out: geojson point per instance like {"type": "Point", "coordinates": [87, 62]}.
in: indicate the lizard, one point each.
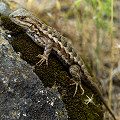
{"type": "Point", "coordinates": [50, 39]}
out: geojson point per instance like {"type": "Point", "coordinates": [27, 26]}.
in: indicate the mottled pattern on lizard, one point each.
{"type": "Point", "coordinates": [50, 39]}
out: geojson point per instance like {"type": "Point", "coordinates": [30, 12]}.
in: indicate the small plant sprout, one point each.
{"type": "Point", "coordinates": [89, 100]}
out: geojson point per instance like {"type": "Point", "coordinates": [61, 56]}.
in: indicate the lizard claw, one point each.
{"type": "Point", "coordinates": [81, 89]}
{"type": "Point", "coordinates": [77, 83]}
{"type": "Point", "coordinates": [43, 59]}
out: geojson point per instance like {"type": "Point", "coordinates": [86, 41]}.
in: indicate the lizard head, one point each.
{"type": "Point", "coordinates": [22, 18]}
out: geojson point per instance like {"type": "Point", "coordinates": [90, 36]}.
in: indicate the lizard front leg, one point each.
{"type": "Point", "coordinates": [76, 74]}
{"type": "Point", "coordinates": [47, 51]}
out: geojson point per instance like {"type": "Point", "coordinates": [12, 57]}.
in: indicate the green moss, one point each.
{"type": "Point", "coordinates": [54, 72]}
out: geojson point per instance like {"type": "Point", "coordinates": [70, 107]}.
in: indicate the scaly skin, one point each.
{"type": "Point", "coordinates": [50, 39]}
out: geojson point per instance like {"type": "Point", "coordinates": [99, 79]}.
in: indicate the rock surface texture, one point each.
{"type": "Point", "coordinates": [22, 94]}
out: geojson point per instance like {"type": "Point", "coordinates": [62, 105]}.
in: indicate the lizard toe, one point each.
{"type": "Point", "coordinates": [43, 59]}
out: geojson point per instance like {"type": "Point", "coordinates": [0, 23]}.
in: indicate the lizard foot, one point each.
{"type": "Point", "coordinates": [76, 74]}
{"type": "Point", "coordinates": [77, 83]}
{"type": "Point", "coordinates": [43, 59]}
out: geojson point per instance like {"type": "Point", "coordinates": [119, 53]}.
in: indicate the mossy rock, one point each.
{"type": "Point", "coordinates": [55, 74]}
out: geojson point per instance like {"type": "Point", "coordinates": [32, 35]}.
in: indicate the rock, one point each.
{"type": "Point", "coordinates": [4, 9]}
{"type": "Point", "coordinates": [22, 94]}
{"type": "Point", "coordinates": [55, 72]}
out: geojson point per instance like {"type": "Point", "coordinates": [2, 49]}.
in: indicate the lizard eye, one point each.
{"type": "Point", "coordinates": [22, 18]}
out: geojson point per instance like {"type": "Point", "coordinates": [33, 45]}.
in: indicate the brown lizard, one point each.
{"type": "Point", "coordinates": [50, 39]}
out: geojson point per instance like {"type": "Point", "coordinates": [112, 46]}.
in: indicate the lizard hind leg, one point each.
{"type": "Point", "coordinates": [75, 73]}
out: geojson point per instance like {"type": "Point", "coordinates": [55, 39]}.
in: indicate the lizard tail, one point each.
{"type": "Point", "coordinates": [108, 108]}
{"type": "Point", "coordinates": [103, 101]}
